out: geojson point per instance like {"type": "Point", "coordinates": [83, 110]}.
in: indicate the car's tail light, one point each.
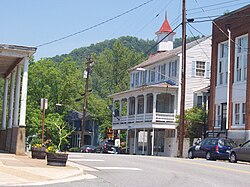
{"type": "Point", "coordinates": [217, 148]}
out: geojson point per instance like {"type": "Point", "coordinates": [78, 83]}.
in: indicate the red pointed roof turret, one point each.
{"type": "Point", "coordinates": [165, 27]}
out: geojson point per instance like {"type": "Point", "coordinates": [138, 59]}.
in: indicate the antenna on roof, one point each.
{"type": "Point", "coordinates": [166, 14]}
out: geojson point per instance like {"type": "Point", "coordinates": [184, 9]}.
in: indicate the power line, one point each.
{"type": "Point", "coordinates": [96, 25]}
{"type": "Point", "coordinates": [196, 29]}
{"type": "Point", "coordinates": [217, 8]}
{"type": "Point", "coordinates": [198, 42]}
{"type": "Point", "coordinates": [213, 5]}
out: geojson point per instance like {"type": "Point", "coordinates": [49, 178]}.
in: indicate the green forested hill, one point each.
{"type": "Point", "coordinates": [132, 43]}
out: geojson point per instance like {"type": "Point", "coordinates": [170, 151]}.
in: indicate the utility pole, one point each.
{"type": "Point", "coordinates": [183, 80]}
{"type": "Point", "coordinates": [89, 62]}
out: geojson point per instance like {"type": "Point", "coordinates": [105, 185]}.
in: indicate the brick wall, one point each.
{"type": "Point", "coordinates": [239, 23]}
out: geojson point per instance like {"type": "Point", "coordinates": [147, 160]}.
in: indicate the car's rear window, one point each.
{"type": "Point", "coordinates": [227, 142]}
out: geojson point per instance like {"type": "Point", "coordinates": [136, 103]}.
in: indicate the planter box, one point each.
{"type": "Point", "coordinates": [57, 159]}
{"type": "Point", "coordinates": [38, 153]}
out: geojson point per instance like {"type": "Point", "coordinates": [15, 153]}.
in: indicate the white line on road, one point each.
{"type": "Point", "coordinates": [117, 168]}
{"type": "Point", "coordinates": [85, 160]}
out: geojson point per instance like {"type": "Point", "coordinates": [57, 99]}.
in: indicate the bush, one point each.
{"type": "Point", "coordinates": [74, 149]}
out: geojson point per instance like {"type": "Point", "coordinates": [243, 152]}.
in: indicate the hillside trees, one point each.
{"type": "Point", "coordinates": [58, 82]}
{"type": "Point", "coordinates": [110, 75]}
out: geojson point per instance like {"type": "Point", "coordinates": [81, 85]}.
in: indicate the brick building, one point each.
{"type": "Point", "coordinates": [232, 86]}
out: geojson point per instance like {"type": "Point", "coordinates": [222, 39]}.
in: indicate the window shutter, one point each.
{"type": "Point", "coordinates": [207, 70]}
{"type": "Point", "coordinates": [193, 68]}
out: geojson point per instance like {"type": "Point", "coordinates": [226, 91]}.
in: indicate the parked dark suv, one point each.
{"type": "Point", "coordinates": [105, 147]}
{"type": "Point", "coordinates": [212, 149]}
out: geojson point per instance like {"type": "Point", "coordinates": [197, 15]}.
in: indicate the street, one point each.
{"type": "Point", "coordinates": [136, 170]}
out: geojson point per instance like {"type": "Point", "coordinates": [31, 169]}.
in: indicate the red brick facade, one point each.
{"type": "Point", "coordinates": [239, 24]}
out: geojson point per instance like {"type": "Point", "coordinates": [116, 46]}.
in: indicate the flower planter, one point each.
{"type": "Point", "coordinates": [39, 153]}
{"type": "Point", "coordinates": [57, 159]}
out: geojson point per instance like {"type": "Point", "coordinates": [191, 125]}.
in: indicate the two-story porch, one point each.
{"type": "Point", "coordinates": [148, 115]}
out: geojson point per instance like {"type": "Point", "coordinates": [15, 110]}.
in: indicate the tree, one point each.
{"type": "Point", "coordinates": [59, 83]}
{"type": "Point", "coordinates": [195, 120]}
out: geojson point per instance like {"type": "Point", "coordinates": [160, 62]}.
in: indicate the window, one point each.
{"type": "Point", "coordinates": [222, 63]}
{"type": "Point", "coordinates": [238, 71]}
{"type": "Point", "coordinates": [241, 53]}
{"type": "Point", "coordinates": [223, 50]}
{"type": "Point", "coordinates": [200, 68]}
{"type": "Point", "coordinates": [152, 75]}
{"type": "Point", "coordinates": [218, 116]}
{"type": "Point", "coordinates": [220, 73]}
{"type": "Point", "coordinates": [132, 78]}
{"type": "Point", "coordinates": [159, 73]}
{"type": "Point", "coordinates": [137, 79]}
{"type": "Point", "coordinates": [149, 76]}
{"type": "Point", "coordinates": [163, 71]}
{"type": "Point", "coordinates": [243, 113]}
{"type": "Point", "coordinates": [237, 113]}
{"type": "Point", "coordinates": [199, 101]}
{"type": "Point", "coordinates": [172, 69]}
{"type": "Point", "coordinates": [144, 77]}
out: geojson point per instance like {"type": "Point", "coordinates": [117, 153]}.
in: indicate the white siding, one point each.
{"type": "Point", "coordinates": [201, 52]}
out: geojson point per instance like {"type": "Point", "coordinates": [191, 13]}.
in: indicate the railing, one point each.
{"type": "Point", "coordinates": [148, 117]}
{"type": "Point", "coordinates": [165, 117]}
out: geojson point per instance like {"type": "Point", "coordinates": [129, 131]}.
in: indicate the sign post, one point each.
{"type": "Point", "coordinates": [44, 105]}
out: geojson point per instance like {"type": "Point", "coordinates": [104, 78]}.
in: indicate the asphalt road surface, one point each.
{"type": "Point", "coordinates": [143, 171]}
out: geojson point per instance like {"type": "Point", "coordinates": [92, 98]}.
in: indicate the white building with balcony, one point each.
{"type": "Point", "coordinates": [147, 111]}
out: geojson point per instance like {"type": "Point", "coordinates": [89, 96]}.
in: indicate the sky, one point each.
{"type": "Point", "coordinates": [36, 22]}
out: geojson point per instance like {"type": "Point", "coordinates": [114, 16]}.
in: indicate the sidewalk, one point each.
{"type": "Point", "coordinates": [23, 170]}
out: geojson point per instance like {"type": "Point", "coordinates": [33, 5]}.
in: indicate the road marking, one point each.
{"type": "Point", "coordinates": [213, 166]}
{"type": "Point", "coordinates": [7, 158]}
{"type": "Point", "coordinates": [117, 168]}
{"type": "Point", "coordinates": [85, 160]}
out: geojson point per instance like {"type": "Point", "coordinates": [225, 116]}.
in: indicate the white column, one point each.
{"type": "Point", "coordinates": [127, 109]}
{"type": "Point", "coordinates": [153, 137]}
{"type": "Point", "coordinates": [145, 106]}
{"type": "Point", "coordinates": [143, 142]}
{"type": "Point", "coordinates": [136, 107]}
{"type": "Point", "coordinates": [120, 108]}
{"type": "Point", "coordinates": [24, 92]}
{"type": "Point", "coordinates": [5, 99]}
{"type": "Point", "coordinates": [175, 104]}
{"type": "Point", "coordinates": [12, 87]}
{"type": "Point", "coordinates": [134, 142]}
{"type": "Point", "coordinates": [154, 106]}
{"type": "Point", "coordinates": [17, 96]}
{"type": "Point", "coordinates": [127, 141]}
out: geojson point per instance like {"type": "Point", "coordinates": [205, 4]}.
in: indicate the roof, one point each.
{"type": "Point", "coordinates": [203, 90]}
{"type": "Point", "coordinates": [232, 13]}
{"type": "Point", "coordinates": [11, 55]}
{"type": "Point", "coordinates": [167, 54]}
{"type": "Point", "coordinates": [18, 48]}
{"type": "Point", "coordinates": [165, 27]}
{"type": "Point", "coordinates": [162, 85]}
{"type": "Point", "coordinates": [73, 115]}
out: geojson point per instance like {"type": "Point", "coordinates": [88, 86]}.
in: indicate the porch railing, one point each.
{"type": "Point", "coordinates": [148, 117]}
